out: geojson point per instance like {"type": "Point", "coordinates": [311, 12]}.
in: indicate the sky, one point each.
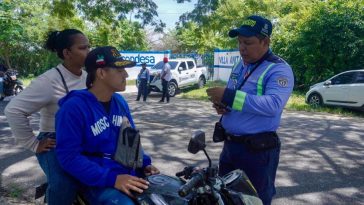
{"type": "Point", "coordinates": [169, 11]}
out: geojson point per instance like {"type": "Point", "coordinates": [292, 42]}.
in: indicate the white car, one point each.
{"type": "Point", "coordinates": [345, 89]}
{"type": "Point", "coordinates": [184, 71]}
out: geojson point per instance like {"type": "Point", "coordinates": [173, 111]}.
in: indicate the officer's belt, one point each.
{"type": "Point", "coordinates": [256, 142]}
{"type": "Point", "coordinates": [246, 139]}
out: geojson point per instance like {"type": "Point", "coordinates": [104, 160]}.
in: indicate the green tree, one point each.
{"type": "Point", "coordinates": [317, 38]}
{"type": "Point", "coordinates": [210, 28]}
{"type": "Point", "coordinates": [25, 25]}
{"type": "Point", "coordinates": [11, 34]}
{"type": "Point", "coordinates": [326, 40]}
{"type": "Point", "coordinates": [110, 11]}
{"type": "Point", "coordinates": [124, 35]}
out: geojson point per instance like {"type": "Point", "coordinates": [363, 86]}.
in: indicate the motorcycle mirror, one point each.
{"type": "Point", "coordinates": [197, 142]}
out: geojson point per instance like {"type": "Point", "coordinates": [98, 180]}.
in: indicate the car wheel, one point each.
{"type": "Point", "coordinates": [172, 89]}
{"type": "Point", "coordinates": [2, 98]}
{"type": "Point", "coordinates": [315, 100]}
{"type": "Point", "coordinates": [201, 82]}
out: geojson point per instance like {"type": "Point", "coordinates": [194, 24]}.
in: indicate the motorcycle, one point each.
{"type": "Point", "coordinates": [193, 186]}
{"type": "Point", "coordinates": [11, 84]}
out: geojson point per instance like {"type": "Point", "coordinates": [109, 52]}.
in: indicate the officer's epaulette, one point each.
{"type": "Point", "coordinates": [275, 59]}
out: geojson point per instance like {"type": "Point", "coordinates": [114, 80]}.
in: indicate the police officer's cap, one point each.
{"type": "Point", "coordinates": [252, 26]}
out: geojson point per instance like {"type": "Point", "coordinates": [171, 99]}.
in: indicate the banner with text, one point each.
{"type": "Point", "coordinates": [148, 57]}
{"type": "Point", "coordinates": [224, 60]}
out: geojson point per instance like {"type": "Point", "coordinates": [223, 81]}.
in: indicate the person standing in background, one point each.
{"type": "Point", "coordinates": [143, 78]}
{"type": "Point", "coordinates": [166, 76]}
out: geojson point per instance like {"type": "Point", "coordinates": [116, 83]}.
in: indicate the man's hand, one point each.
{"type": "Point", "coordinates": [45, 145]}
{"type": "Point", "coordinates": [150, 170]}
{"type": "Point", "coordinates": [219, 109]}
{"type": "Point", "coordinates": [127, 183]}
{"type": "Point", "coordinates": [215, 94]}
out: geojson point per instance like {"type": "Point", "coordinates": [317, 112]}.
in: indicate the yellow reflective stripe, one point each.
{"type": "Point", "coordinates": [260, 81]}
{"type": "Point", "coordinates": [239, 100]}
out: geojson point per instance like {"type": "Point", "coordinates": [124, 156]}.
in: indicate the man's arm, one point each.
{"type": "Point", "coordinates": [278, 88]}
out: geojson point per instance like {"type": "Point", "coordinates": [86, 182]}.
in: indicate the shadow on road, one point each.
{"type": "Point", "coordinates": [321, 158]}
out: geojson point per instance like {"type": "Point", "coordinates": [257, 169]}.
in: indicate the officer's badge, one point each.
{"type": "Point", "coordinates": [283, 82]}
{"type": "Point", "coordinates": [234, 76]}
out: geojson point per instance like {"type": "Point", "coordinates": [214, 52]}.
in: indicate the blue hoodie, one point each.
{"type": "Point", "coordinates": [82, 125]}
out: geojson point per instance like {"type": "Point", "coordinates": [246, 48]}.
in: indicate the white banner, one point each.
{"type": "Point", "coordinates": [224, 60]}
{"type": "Point", "coordinates": [148, 57]}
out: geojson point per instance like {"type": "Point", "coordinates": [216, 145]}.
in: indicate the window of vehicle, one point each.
{"type": "Point", "coordinates": [345, 78]}
{"type": "Point", "coordinates": [160, 65]}
{"type": "Point", "coordinates": [359, 77]}
{"type": "Point", "coordinates": [190, 64]}
{"type": "Point", "coordinates": [183, 65]}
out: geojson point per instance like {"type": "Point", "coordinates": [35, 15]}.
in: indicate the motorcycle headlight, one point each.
{"type": "Point", "coordinates": [158, 199]}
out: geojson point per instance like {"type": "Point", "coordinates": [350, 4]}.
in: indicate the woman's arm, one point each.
{"type": "Point", "coordinates": [31, 100]}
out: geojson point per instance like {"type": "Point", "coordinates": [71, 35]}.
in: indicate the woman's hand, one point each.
{"type": "Point", "coordinates": [127, 183]}
{"type": "Point", "coordinates": [45, 145]}
{"type": "Point", "coordinates": [150, 170]}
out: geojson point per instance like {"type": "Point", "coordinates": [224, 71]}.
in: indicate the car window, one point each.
{"type": "Point", "coordinates": [359, 77]}
{"type": "Point", "coordinates": [190, 64]}
{"type": "Point", "coordinates": [345, 78]}
{"type": "Point", "coordinates": [183, 65]}
{"type": "Point", "coordinates": [160, 65]}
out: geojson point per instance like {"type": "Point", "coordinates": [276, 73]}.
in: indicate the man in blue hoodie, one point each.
{"type": "Point", "coordinates": [88, 125]}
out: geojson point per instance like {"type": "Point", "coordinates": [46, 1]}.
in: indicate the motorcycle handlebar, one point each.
{"type": "Point", "coordinates": [185, 189]}
{"type": "Point", "coordinates": [186, 172]}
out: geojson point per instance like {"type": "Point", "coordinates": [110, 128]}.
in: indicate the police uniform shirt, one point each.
{"type": "Point", "coordinates": [144, 73]}
{"type": "Point", "coordinates": [258, 105]}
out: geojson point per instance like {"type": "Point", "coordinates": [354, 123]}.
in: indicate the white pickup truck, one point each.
{"type": "Point", "coordinates": [184, 73]}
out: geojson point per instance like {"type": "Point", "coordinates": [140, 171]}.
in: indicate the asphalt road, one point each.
{"type": "Point", "coordinates": [321, 161]}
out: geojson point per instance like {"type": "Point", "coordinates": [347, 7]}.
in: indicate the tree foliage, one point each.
{"type": "Point", "coordinates": [317, 38]}
{"type": "Point", "coordinates": [326, 40]}
{"type": "Point", "coordinates": [25, 24]}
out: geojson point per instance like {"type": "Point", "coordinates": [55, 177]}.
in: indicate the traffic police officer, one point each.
{"type": "Point", "coordinates": [251, 107]}
{"type": "Point", "coordinates": [143, 78]}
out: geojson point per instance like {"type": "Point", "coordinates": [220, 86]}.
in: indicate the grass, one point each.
{"type": "Point", "coordinates": [295, 103]}
{"type": "Point", "coordinates": [15, 191]}
{"type": "Point", "coordinates": [200, 94]}
{"type": "Point", "coordinates": [27, 80]}
{"type": "Point", "coordinates": [130, 82]}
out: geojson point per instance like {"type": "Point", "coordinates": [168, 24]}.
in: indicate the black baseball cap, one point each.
{"type": "Point", "coordinates": [106, 56]}
{"type": "Point", "coordinates": [252, 26]}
